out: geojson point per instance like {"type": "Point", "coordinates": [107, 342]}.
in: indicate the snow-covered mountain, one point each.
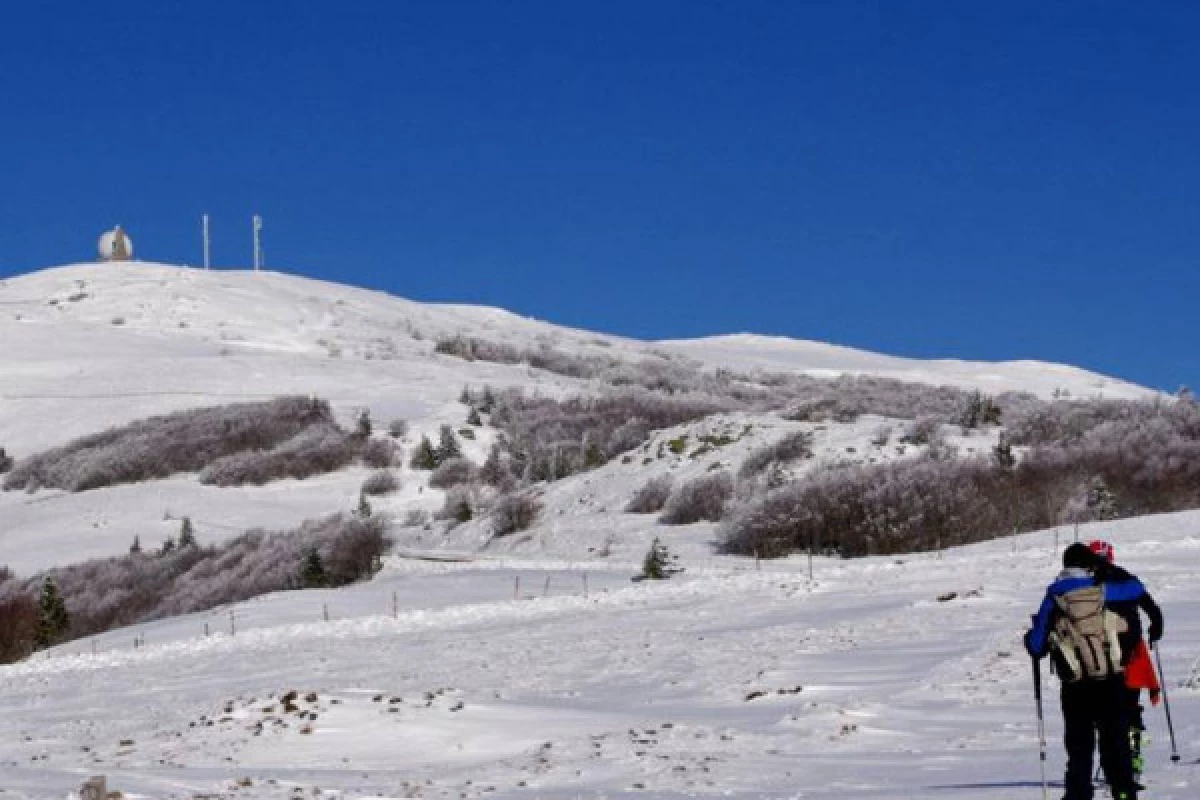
{"type": "Point", "coordinates": [533, 667]}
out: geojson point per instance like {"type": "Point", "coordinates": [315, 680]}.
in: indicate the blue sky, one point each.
{"type": "Point", "coordinates": [993, 181]}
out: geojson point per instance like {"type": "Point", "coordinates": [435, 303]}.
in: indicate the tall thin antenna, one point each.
{"type": "Point", "coordinates": [204, 226]}
{"type": "Point", "coordinates": [258, 259]}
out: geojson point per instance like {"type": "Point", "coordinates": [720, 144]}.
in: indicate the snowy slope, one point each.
{"type": "Point", "coordinates": [780, 354]}
{"type": "Point", "coordinates": [725, 681]}
{"type": "Point", "coordinates": [94, 345]}
{"type": "Point", "coordinates": [572, 680]}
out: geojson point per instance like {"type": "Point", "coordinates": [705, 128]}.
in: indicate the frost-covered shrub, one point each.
{"type": "Point", "coordinates": [452, 472]}
{"type": "Point", "coordinates": [979, 410]}
{"type": "Point", "coordinates": [157, 447]}
{"type": "Point", "coordinates": [651, 498]}
{"type": "Point", "coordinates": [460, 505]}
{"type": "Point", "coordinates": [382, 481]}
{"type": "Point", "coordinates": [398, 428]}
{"type": "Point", "coordinates": [792, 447]}
{"type": "Point", "coordinates": [702, 498]}
{"type": "Point", "coordinates": [380, 453]}
{"type": "Point", "coordinates": [549, 439]}
{"type": "Point", "coordinates": [893, 508]}
{"type": "Point", "coordinates": [514, 512]}
{"type": "Point", "coordinates": [1143, 460]}
{"type": "Point", "coordinates": [114, 592]}
{"type": "Point", "coordinates": [314, 451]}
{"type": "Point", "coordinates": [923, 430]}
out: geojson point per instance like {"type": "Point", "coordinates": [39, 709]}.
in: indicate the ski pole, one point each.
{"type": "Point", "coordinates": [1037, 695]}
{"type": "Point", "coordinates": [1166, 702]}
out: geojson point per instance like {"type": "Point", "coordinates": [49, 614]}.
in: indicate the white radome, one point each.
{"type": "Point", "coordinates": [115, 245]}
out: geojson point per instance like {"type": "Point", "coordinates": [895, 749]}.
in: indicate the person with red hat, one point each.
{"type": "Point", "coordinates": [1139, 669]}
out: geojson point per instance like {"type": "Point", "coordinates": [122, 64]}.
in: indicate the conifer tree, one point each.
{"type": "Point", "coordinates": [364, 506]}
{"type": "Point", "coordinates": [473, 418]}
{"type": "Point", "coordinates": [136, 547]}
{"type": "Point", "coordinates": [312, 573]}
{"type": "Point", "coordinates": [187, 535]}
{"type": "Point", "coordinates": [168, 546]}
{"type": "Point", "coordinates": [659, 564]}
{"type": "Point", "coordinates": [363, 425]}
{"type": "Point", "coordinates": [53, 620]}
{"type": "Point", "coordinates": [424, 456]}
{"type": "Point", "coordinates": [448, 446]}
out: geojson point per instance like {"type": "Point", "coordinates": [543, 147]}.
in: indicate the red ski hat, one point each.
{"type": "Point", "coordinates": [1103, 549]}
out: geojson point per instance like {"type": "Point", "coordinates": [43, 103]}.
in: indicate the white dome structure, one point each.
{"type": "Point", "coordinates": [115, 245]}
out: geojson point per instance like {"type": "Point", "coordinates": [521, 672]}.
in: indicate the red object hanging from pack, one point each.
{"type": "Point", "coordinates": [1140, 674]}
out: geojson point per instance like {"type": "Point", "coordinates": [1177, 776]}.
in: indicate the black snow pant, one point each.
{"type": "Point", "coordinates": [1097, 710]}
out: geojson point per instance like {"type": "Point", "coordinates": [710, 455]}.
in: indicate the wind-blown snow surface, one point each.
{"type": "Point", "coordinates": [726, 681]}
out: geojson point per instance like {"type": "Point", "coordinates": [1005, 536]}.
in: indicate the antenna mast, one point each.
{"type": "Point", "coordinates": [258, 259]}
{"type": "Point", "coordinates": [204, 227]}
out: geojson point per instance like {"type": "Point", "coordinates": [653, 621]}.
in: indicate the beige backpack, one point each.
{"type": "Point", "coordinates": [1085, 636]}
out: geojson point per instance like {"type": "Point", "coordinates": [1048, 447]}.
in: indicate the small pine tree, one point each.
{"type": "Point", "coordinates": [312, 572]}
{"type": "Point", "coordinates": [1002, 454]}
{"type": "Point", "coordinates": [473, 418]}
{"type": "Point", "coordinates": [590, 453]}
{"type": "Point", "coordinates": [364, 506]}
{"type": "Point", "coordinates": [187, 535]}
{"type": "Point", "coordinates": [6, 461]}
{"type": "Point", "coordinates": [136, 547]}
{"type": "Point", "coordinates": [362, 426]}
{"type": "Point", "coordinates": [464, 396]}
{"type": "Point", "coordinates": [53, 619]}
{"type": "Point", "coordinates": [659, 564]}
{"type": "Point", "coordinates": [168, 546]}
{"type": "Point", "coordinates": [424, 456]}
{"type": "Point", "coordinates": [448, 446]}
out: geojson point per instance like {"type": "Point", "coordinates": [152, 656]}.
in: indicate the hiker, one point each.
{"type": "Point", "coordinates": [1139, 669]}
{"type": "Point", "coordinates": [1082, 636]}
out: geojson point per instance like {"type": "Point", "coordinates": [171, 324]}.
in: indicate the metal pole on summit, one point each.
{"type": "Point", "coordinates": [1166, 703]}
{"type": "Point", "coordinates": [1037, 694]}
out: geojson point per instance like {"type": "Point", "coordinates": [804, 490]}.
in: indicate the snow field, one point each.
{"type": "Point", "coordinates": [730, 682]}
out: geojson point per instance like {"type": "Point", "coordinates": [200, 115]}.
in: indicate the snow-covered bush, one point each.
{"type": "Point", "coordinates": [382, 481]}
{"type": "Point", "coordinates": [892, 508]}
{"type": "Point", "coordinates": [923, 430]}
{"type": "Point", "coordinates": [398, 428]}
{"type": "Point", "coordinates": [1145, 459]}
{"type": "Point", "coordinates": [107, 593]}
{"type": "Point", "coordinates": [651, 498]}
{"type": "Point", "coordinates": [452, 472]}
{"type": "Point", "coordinates": [381, 453]}
{"type": "Point", "coordinates": [314, 451]}
{"type": "Point", "coordinates": [702, 498]}
{"type": "Point", "coordinates": [792, 447]}
{"type": "Point", "coordinates": [459, 505]}
{"type": "Point", "coordinates": [6, 461]}
{"type": "Point", "coordinates": [514, 512]}
{"type": "Point", "coordinates": [157, 447]}
{"type": "Point", "coordinates": [548, 438]}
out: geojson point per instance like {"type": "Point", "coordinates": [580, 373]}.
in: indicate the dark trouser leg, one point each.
{"type": "Point", "coordinates": [1112, 724]}
{"type": "Point", "coordinates": [1136, 727]}
{"type": "Point", "coordinates": [1078, 704]}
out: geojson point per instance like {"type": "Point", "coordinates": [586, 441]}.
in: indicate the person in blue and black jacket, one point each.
{"type": "Point", "coordinates": [1076, 628]}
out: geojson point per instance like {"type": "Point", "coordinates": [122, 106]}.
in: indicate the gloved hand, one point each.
{"type": "Point", "coordinates": [1155, 633]}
